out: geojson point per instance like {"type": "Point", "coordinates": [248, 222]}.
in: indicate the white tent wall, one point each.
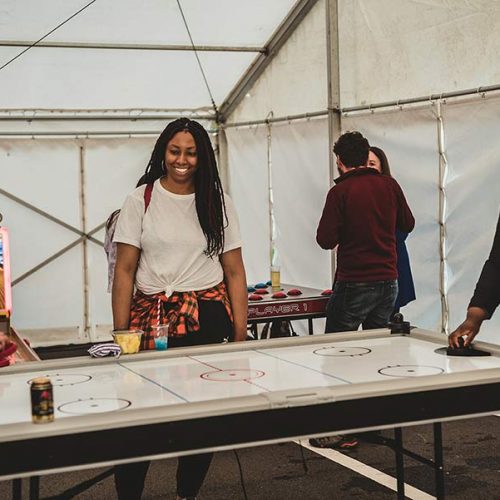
{"type": "Point", "coordinates": [52, 175]}
{"type": "Point", "coordinates": [473, 199]}
{"type": "Point", "coordinates": [295, 81]}
{"type": "Point", "coordinates": [300, 184]}
{"type": "Point", "coordinates": [397, 49]}
{"type": "Point", "coordinates": [248, 185]}
{"type": "Point", "coordinates": [299, 166]}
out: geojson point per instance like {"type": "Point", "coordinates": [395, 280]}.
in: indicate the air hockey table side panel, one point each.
{"type": "Point", "coordinates": [310, 304]}
{"type": "Point", "coordinates": [167, 439]}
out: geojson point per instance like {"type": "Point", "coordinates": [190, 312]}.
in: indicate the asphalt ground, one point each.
{"type": "Point", "coordinates": [289, 471]}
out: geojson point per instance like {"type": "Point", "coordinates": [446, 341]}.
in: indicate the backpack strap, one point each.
{"type": "Point", "coordinates": [147, 195]}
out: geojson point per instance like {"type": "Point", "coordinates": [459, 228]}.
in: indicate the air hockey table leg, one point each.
{"type": "Point", "coordinates": [34, 488]}
{"type": "Point", "coordinates": [438, 460]}
{"type": "Point", "coordinates": [17, 489]}
{"type": "Point", "coordinates": [400, 468]}
{"type": "Point", "coordinates": [310, 326]}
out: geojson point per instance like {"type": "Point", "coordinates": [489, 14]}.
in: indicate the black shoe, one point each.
{"type": "Point", "coordinates": [335, 442]}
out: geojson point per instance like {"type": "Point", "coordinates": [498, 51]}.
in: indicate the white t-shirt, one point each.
{"type": "Point", "coordinates": [172, 241]}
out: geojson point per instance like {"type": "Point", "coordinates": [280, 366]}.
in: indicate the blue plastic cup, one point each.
{"type": "Point", "coordinates": [160, 334]}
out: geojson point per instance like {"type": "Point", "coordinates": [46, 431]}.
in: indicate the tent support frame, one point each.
{"type": "Point", "coordinates": [130, 46]}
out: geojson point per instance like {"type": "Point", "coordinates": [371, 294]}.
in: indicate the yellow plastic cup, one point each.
{"type": "Point", "coordinates": [128, 340]}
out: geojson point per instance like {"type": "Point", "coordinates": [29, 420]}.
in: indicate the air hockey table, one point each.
{"type": "Point", "coordinates": [153, 405]}
{"type": "Point", "coordinates": [308, 304]}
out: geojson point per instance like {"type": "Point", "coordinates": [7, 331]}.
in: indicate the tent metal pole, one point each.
{"type": "Point", "coordinates": [273, 45]}
{"type": "Point", "coordinates": [78, 135]}
{"type": "Point", "coordinates": [333, 78]}
{"type": "Point", "coordinates": [130, 46]}
{"type": "Point", "coordinates": [289, 118]}
{"type": "Point", "coordinates": [479, 91]}
{"type": "Point", "coordinates": [81, 135]}
{"type": "Point", "coordinates": [223, 162]}
{"type": "Point", "coordinates": [443, 267]}
{"type": "Point", "coordinates": [83, 208]}
{"type": "Point", "coordinates": [43, 214]}
{"type": "Point", "coordinates": [270, 199]}
{"type": "Point", "coordinates": [47, 261]}
{"type": "Point", "coordinates": [58, 254]}
{"type": "Point", "coordinates": [33, 115]}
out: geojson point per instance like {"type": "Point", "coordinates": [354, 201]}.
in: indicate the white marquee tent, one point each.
{"type": "Point", "coordinates": [86, 86]}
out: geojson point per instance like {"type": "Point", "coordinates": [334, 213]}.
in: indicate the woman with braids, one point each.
{"type": "Point", "coordinates": [178, 242]}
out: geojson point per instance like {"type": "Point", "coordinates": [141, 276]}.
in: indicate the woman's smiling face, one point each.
{"type": "Point", "coordinates": [181, 159]}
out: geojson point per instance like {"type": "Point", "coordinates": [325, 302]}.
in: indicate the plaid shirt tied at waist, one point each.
{"type": "Point", "coordinates": [148, 310]}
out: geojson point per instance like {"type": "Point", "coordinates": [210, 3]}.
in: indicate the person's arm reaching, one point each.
{"type": "Point", "coordinates": [486, 296]}
{"type": "Point", "coordinates": [235, 279]}
{"type": "Point", "coordinates": [127, 258]}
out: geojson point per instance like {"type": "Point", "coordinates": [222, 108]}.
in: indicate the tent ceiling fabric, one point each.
{"type": "Point", "coordinates": [81, 78]}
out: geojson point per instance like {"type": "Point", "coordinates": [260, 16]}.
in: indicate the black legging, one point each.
{"type": "Point", "coordinates": [215, 326]}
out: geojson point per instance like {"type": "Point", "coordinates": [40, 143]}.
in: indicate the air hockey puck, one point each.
{"type": "Point", "coordinates": [294, 291]}
{"type": "Point", "coordinates": [261, 291]}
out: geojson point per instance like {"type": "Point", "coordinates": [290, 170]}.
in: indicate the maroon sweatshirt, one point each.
{"type": "Point", "coordinates": [361, 214]}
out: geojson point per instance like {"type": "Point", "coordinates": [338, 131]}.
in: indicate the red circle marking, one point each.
{"type": "Point", "coordinates": [239, 374]}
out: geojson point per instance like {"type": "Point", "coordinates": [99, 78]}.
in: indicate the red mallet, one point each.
{"type": "Point", "coordinates": [261, 291]}
{"type": "Point", "coordinates": [254, 296]}
{"type": "Point", "coordinates": [279, 295]}
{"type": "Point", "coordinates": [294, 291]}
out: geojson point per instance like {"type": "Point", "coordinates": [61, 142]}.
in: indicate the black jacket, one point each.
{"type": "Point", "coordinates": [487, 292]}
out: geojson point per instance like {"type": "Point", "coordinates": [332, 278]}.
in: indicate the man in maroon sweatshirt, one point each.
{"type": "Point", "coordinates": [360, 216]}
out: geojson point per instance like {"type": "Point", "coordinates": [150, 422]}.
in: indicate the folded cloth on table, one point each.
{"type": "Point", "coordinates": [102, 350]}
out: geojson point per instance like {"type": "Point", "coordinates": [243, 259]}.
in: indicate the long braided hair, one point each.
{"type": "Point", "coordinates": [209, 196]}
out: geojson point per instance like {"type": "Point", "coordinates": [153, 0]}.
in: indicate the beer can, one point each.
{"type": "Point", "coordinates": [42, 400]}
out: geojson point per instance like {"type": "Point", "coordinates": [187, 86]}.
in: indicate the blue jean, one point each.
{"type": "Point", "coordinates": [352, 304]}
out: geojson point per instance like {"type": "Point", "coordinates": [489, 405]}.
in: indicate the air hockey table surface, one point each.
{"type": "Point", "coordinates": [161, 404]}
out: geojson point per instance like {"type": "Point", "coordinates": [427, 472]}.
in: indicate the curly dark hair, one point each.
{"type": "Point", "coordinates": [352, 149]}
{"type": "Point", "coordinates": [209, 196]}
